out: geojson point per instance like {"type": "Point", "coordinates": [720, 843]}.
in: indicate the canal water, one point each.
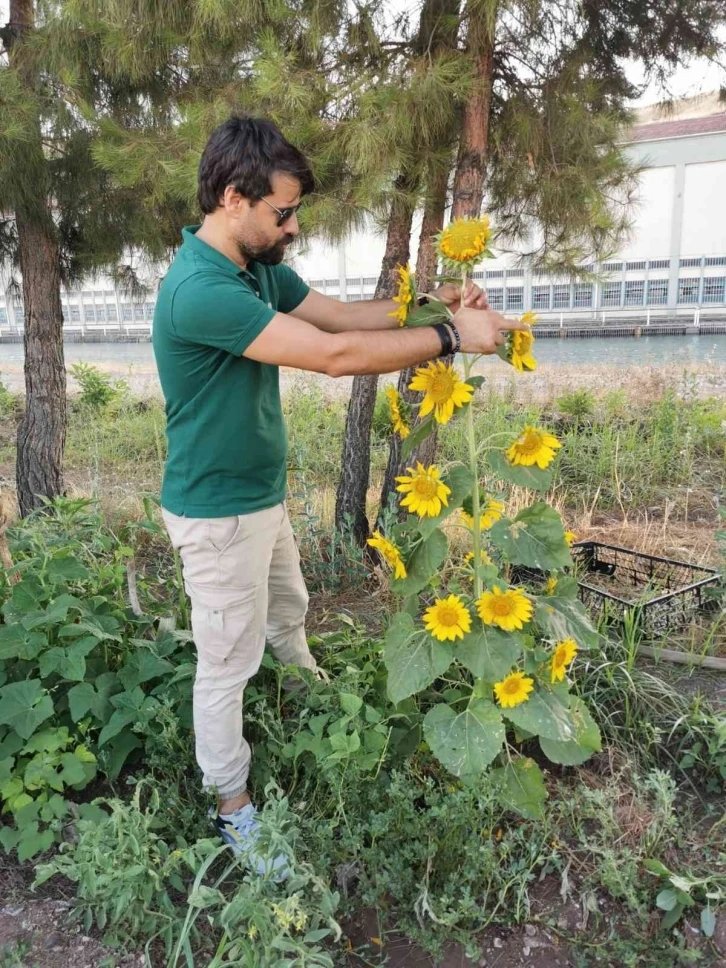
{"type": "Point", "coordinates": [618, 351]}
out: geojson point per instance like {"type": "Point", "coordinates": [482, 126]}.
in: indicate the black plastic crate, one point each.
{"type": "Point", "coordinates": [661, 594]}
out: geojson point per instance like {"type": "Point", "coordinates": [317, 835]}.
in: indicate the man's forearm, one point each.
{"type": "Point", "coordinates": [358, 352]}
{"type": "Point", "coordinates": [369, 314]}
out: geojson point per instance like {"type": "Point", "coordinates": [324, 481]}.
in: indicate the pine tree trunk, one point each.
{"type": "Point", "coordinates": [471, 164]}
{"type": "Point", "coordinates": [433, 220]}
{"type": "Point", "coordinates": [42, 432]}
{"type": "Point", "coordinates": [41, 435]}
{"type": "Point", "coordinates": [350, 503]}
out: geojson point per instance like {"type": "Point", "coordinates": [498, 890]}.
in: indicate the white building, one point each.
{"type": "Point", "coordinates": [674, 260]}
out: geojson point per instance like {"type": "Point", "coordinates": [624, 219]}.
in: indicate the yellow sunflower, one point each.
{"type": "Point", "coordinates": [448, 618]}
{"type": "Point", "coordinates": [509, 609]}
{"type": "Point", "coordinates": [520, 351]}
{"type": "Point", "coordinates": [490, 511]}
{"type": "Point", "coordinates": [464, 240]}
{"type": "Point", "coordinates": [425, 493]}
{"type": "Point", "coordinates": [533, 446]}
{"type": "Point", "coordinates": [551, 586]}
{"type": "Point", "coordinates": [570, 538]}
{"type": "Point", "coordinates": [529, 318]}
{"type": "Point", "coordinates": [483, 557]}
{"type": "Point", "coordinates": [442, 388]}
{"type": "Point", "coordinates": [565, 652]}
{"type": "Point", "coordinates": [394, 408]}
{"type": "Point", "coordinates": [406, 295]}
{"type": "Point", "coordinates": [513, 689]}
{"type": "Point", "coordinates": [390, 552]}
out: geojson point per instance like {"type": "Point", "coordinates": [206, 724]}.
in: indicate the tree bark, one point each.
{"type": "Point", "coordinates": [41, 434]}
{"type": "Point", "coordinates": [426, 264]}
{"type": "Point", "coordinates": [471, 164]}
{"type": "Point", "coordinates": [350, 504]}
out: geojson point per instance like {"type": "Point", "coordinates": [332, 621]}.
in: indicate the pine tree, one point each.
{"type": "Point", "coordinates": [540, 131]}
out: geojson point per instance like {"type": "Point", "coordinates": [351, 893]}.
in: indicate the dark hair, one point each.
{"type": "Point", "coordinates": [246, 152]}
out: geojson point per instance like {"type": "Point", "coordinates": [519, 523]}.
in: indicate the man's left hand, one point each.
{"type": "Point", "coordinates": [450, 295]}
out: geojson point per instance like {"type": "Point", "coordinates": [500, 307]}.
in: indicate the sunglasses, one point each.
{"type": "Point", "coordinates": [283, 213]}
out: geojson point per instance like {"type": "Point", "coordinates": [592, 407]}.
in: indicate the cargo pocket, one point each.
{"type": "Point", "coordinates": [230, 633]}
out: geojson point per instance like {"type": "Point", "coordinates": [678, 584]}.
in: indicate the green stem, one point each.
{"type": "Point", "coordinates": [474, 467]}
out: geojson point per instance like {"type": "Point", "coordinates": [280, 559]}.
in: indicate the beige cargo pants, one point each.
{"type": "Point", "coordinates": [243, 577]}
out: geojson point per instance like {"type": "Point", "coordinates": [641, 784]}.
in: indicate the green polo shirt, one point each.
{"type": "Point", "coordinates": [227, 444]}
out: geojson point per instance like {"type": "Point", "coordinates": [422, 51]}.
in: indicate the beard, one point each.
{"type": "Point", "coordinates": [269, 255]}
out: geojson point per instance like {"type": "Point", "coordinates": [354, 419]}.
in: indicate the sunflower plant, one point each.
{"type": "Point", "coordinates": [492, 661]}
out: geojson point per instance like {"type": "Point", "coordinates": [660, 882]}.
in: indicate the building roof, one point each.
{"type": "Point", "coordinates": [678, 128]}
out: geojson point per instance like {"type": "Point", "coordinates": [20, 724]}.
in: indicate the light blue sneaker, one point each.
{"type": "Point", "coordinates": [242, 832]}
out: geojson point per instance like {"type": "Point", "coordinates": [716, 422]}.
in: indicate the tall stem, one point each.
{"type": "Point", "coordinates": [474, 467]}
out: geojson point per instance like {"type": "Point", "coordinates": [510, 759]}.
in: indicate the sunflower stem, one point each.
{"type": "Point", "coordinates": [474, 467]}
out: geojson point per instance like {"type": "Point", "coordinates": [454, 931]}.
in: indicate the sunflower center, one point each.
{"type": "Point", "coordinates": [502, 606]}
{"type": "Point", "coordinates": [425, 487]}
{"type": "Point", "coordinates": [441, 387]}
{"type": "Point", "coordinates": [529, 444]}
{"type": "Point", "coordinates": [448, 616]}
{"type": "Point", "coordinates": [512, 687]}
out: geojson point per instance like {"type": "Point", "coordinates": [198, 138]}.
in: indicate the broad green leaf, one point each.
{"type": "Point", "coordinates": [412, 657]}
{"type": "Point", "coordinates": [24, 706]}
{"type": "Point", "coordinates": [418, 434]}
{"type": "Point", "coordinates": [103, 627]}
{"type": "Point", "coordinates": [461, 482]}
{"type": "Point", "coordinates": [63, 569]}
{"type": "Point", "coordinates": [428, 314]}
{"type": "Point", "coordinates": [538, 480]}
{"type": "Point", "coordinates": [26, 597]}
{"type": "Point", "coordinates": [143, 666]}
{"type": "Point", "coordinates": [667, 899]}
{"type": "Point", "coordinates": [424, 563]}
{"type": "Point", "coordinates": [465, 742]}
{"type": "Point", "coordinates": [32, 841]}
{"type": "Point", "coordinates": [543, 714]}
{"type": "Point", "coordinates": [523, 788]}
{"type": "Point", "coordinates": [490, 653]}
{"type": "Point", "coordinates": [708, 922]}
{"type": "Point", "coordinates": [48, 741]}
{"type": "Point", "coordinates": [16, 642]}
{"type": "Point", "coordinates": [9, 838]}
{"type": "Point", "coordinates": [350, 703]}
{"type": "Point", "coordinates": [74, 770]}
{"type": "Point", "coordinates": [535, 537]}
{"type": "Point", "coordinates": [565, 618]}
{"type": "Point", "coordinates": [131, 707]}
{"type": "Point", "coordinates": [41, 772]}
{"type": "Point", "coordinates": [113, 756]}
{"type": "Point", "coordinates": [585, 742]}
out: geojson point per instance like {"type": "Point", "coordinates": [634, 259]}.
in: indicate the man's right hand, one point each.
{"type": "Point", "coordinates": [483, 330]}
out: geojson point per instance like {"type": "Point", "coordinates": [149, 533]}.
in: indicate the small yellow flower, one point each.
{"type": "Point", "coordinates": [483, 557]}
{"type": "Point", "coordinates": [448, 618]}
{"type": "Point", "coordinates": [442, 389]}
{"type": "Point", "coordinates": [551, 586]}
{"type": "Point", "coordinates": [513, 689]}
{"type": "Point", "coordinates": [464, 239]}
{"type": "Point", "coordinates": [509, 609]}
{"type": "Point", "coordinates": [390, 552]}
{"type": "Point", "coordinates": [563, 655]}
{"type": "Point", "coordinates": [394, 408]}
{"type": "Point", "coordinates": [533, 446]}
{"type": "Point", "coordinates": [520, 351]}
{"type": "Point", "coordinates": [425, 494]}
{"type": "Point", "coordinates": [570, 538]}
{"type": "Point", "coordinates": [406, 295]}
{"type": "Point", "coordinates": [490, 511]}
{"type": "Point", "coordinates": [253, 932]}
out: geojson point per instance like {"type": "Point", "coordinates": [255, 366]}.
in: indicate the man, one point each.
{"type": "Point", "coordinates": [228, 314]}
